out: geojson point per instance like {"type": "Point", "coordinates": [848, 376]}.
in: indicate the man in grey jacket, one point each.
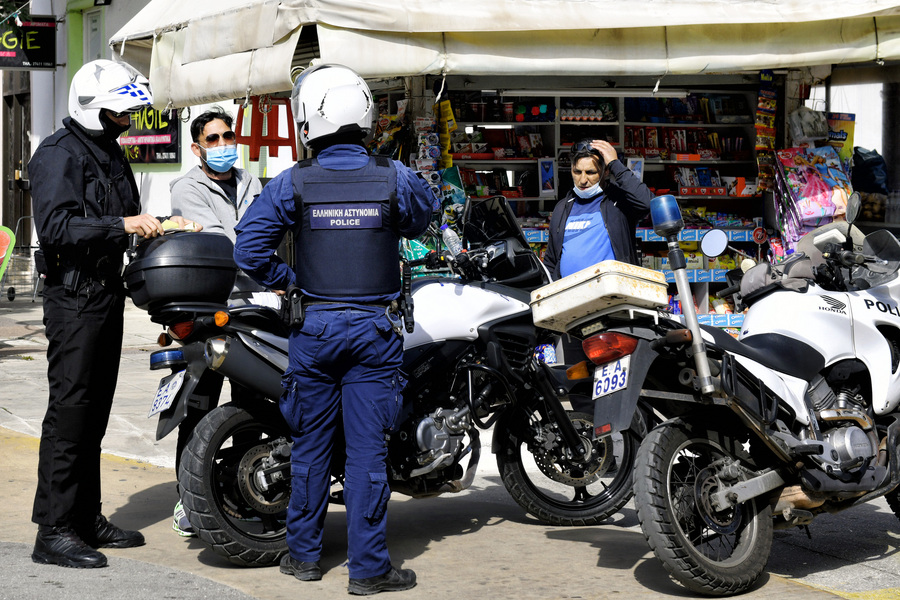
{"type": "Point", "coordinates": [216, 193]}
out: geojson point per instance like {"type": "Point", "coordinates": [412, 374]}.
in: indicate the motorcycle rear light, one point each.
{"type": "Point", "coordinates": [607, 347]}
{"type": "Point", "coordinates": [221, 318]}
{"type": "Point", "coordinates": [579, 371]}
{"type": "Point", "coordinates": [164, 339]}
{"type": "Point", "coordinates": [179, 331]}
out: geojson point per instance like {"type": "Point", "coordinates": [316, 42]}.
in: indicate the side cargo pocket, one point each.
{"type": "Point", "coordinates": [299, 488]}
{"type": "Point", "coordinates": [379, 494]}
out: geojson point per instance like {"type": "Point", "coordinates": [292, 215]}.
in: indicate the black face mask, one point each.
{"type": "Point", "coordinates": [110, 128]}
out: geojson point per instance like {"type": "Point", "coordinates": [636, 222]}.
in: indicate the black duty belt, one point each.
{"type": "Point", "coordinates": [346, 303]}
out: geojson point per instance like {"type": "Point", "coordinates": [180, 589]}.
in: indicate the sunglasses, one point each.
{"type": "Point", "coordinates": [583, 146]}
{"type": "Point", "coordinates": [123, 113]}
{"type": "Point", "coordinates": [212, 138]}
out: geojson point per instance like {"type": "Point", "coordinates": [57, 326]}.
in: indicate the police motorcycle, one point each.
{"type": "Point", "coordinates": [797, 417]}
{"type": "Point", "coordinates": [469, 358]}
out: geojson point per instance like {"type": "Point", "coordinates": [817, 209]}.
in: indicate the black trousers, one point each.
{"type": "Point", "coordinates": [85, 345]}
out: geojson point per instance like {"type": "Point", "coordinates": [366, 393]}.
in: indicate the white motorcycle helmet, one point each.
{"type": "Point", "coordinates": [99, 84]}
{"type": "Point", "coordinates": [331, 99]}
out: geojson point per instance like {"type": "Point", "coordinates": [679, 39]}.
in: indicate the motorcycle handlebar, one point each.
{"type": "Point", "coordinates": [463, 262]}
{"type": "Point", "coordinates": [432, 260]}
{"type": "Point", "coordinates": [732, 289]}
{"type": "Point", "coordinates": [848, 258]}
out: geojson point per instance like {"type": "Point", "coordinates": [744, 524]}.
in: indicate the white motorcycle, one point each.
{"type": "Point", "coordinates": [798, 416]}
{"type": "Point", "coordinates": [469, 358]}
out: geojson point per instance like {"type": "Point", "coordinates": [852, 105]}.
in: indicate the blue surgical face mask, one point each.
{"type": "Point", "coordinates": [590, 192]}
{"type": "Point", "coordinates": [221, 158]}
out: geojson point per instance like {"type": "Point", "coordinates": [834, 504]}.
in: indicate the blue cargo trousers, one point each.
{"type": "Point", "coordinates": [344, 369]}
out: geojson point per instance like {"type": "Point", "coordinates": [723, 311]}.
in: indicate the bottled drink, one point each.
{"type": "Point", "coordinates": [451, 240]}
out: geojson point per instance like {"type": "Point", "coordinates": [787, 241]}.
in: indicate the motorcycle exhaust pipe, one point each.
{"type": "Point", "coordinates": [793, 497]}
{"type": "Point", "coordinates": [458, 485]}
{"type": "Point", "coordinates": [232, 359]}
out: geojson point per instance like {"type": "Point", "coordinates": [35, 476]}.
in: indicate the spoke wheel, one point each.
{"type": "Point", "coordinates": [710, 551]}
{"type": "Point", "coordinates": [224, 502]}
{"type": "Point", "coordinates": [544, 479]}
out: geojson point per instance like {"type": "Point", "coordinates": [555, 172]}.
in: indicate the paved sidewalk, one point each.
{"type": "Point", "coordinates": [477, 544]}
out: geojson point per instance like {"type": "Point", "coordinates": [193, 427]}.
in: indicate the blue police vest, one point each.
{"type": "Point", "coordinates": [347, 241]}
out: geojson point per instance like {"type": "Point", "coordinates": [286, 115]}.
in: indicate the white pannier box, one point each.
{"type": "Point", "coordinates": [609, 283]}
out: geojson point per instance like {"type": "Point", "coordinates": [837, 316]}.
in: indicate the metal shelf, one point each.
{"type": "Point", "coordinates": [681, 125]}
{"type": "Point", "coordinates": [695, 235]}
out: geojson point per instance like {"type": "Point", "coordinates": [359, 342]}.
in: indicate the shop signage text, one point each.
{"type": "Point", "coordinates": [30, 46]}
{"type": "Point", "coordinates": [153, 137]}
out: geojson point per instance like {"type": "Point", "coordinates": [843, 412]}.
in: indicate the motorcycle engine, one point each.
{"type": "Point", "coordinates": [847, 428]}
{"type": "Point", "coordinates": [441, 437]}
{"type": "Point", "coordinates": [850, 445]}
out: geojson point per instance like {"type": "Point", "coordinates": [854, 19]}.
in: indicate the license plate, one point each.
{"type": "Point", "coordinates": [611, 377]}
{"type": "Point", "coordinates": [167, 392]}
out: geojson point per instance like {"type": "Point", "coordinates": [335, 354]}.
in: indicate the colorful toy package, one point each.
{"type": "Point", "coordinates": [840, 135]}
{"type": "Point", "coordinates": [818, 185]}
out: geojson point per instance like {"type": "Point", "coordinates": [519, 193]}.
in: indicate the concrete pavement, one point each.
{"type": "Point", "coordinates": [476, 544]}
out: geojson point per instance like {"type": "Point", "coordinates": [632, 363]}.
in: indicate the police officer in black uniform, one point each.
{"type": "Point", "coordinates": [86, 204]}
{"type": "Point", "coordinates": [347, 211]}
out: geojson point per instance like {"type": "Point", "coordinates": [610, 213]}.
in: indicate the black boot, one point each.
{"type": "Point", "coordinates": [104, 534]}
{"type": "Point", "coordinates": [304, 571]}
{"type": "Point", "coordinates": [62, 546]}
{"type": "Point", "coordinates": [395, 580]}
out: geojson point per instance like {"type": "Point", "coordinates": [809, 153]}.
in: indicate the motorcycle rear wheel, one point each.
{"type": "Point", "coordinates": [712, 552]}
{"type": "Point", "coordinates": [227, 509]}
{"type": "Point", "coordinates": [559, 491]}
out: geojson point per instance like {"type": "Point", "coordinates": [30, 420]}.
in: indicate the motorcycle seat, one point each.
{"type": "Point", "coordinates": [775, 351]}
{"type": "Point", "coordinates": [264, 317]}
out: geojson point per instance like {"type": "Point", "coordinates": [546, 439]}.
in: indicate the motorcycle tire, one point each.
{"type": "Point", "coordinates": [223, 502]}
{"type": "Point", "coordinates": [559, 491]}
{"type": "Point", "coordinates": [713, 553]}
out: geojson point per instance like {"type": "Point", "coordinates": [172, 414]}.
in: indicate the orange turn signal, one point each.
{"type": "Point", "coordinates": [221, 318]}
{"type": "Point", "coordinates": [164, 339]}
{"type": "Point", "coordinates": [578, 371]}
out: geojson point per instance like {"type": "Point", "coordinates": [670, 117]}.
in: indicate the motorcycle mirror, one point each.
{"type": "Point", "coordinates": [854, 204]}
{"type": "Point", "coordinates": [714, 243]}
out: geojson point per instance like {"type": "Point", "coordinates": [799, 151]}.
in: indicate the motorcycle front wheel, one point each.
{"type": "Point", "coordinates": [541, 476]}
{"type": "Point", "coordinates": [708, 551]}
{"type": "Point", "coordinates": [221, 495]}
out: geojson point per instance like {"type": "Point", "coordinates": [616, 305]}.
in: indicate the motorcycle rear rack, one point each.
{"type": "Point", "coordinates": [749, 391]}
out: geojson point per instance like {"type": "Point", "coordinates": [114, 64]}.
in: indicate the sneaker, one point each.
{"type": "Point", "coordinates": [180, 523]}
{"type": "Point", "coordinates": [395, 580]}
{"type": "Point", "coordinates": [304, 571]}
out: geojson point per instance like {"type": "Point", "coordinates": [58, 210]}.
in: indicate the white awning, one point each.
{"type": "Point", "coordinates": [207, 50]}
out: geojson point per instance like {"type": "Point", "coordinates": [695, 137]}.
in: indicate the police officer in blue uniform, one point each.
{"type": "Point", "coordinates": [347, 211]}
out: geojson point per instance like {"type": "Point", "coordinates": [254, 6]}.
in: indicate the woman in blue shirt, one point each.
{"type": "Point", "coordinates": [596, 221]}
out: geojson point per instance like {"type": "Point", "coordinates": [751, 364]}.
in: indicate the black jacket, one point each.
{"type": "Point", "coordinates": [81, 186]}
{"type": "Point", "coordinates": [627, 202]}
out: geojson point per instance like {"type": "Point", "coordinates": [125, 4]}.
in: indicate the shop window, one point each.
{"type": "Point", "coordinates": [93, 35]}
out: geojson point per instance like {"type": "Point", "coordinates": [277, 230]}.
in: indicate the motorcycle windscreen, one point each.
{"type": "Point", "coordinates": [490, 222]}
{"type": "Point", "coordinates": [883, 245]}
